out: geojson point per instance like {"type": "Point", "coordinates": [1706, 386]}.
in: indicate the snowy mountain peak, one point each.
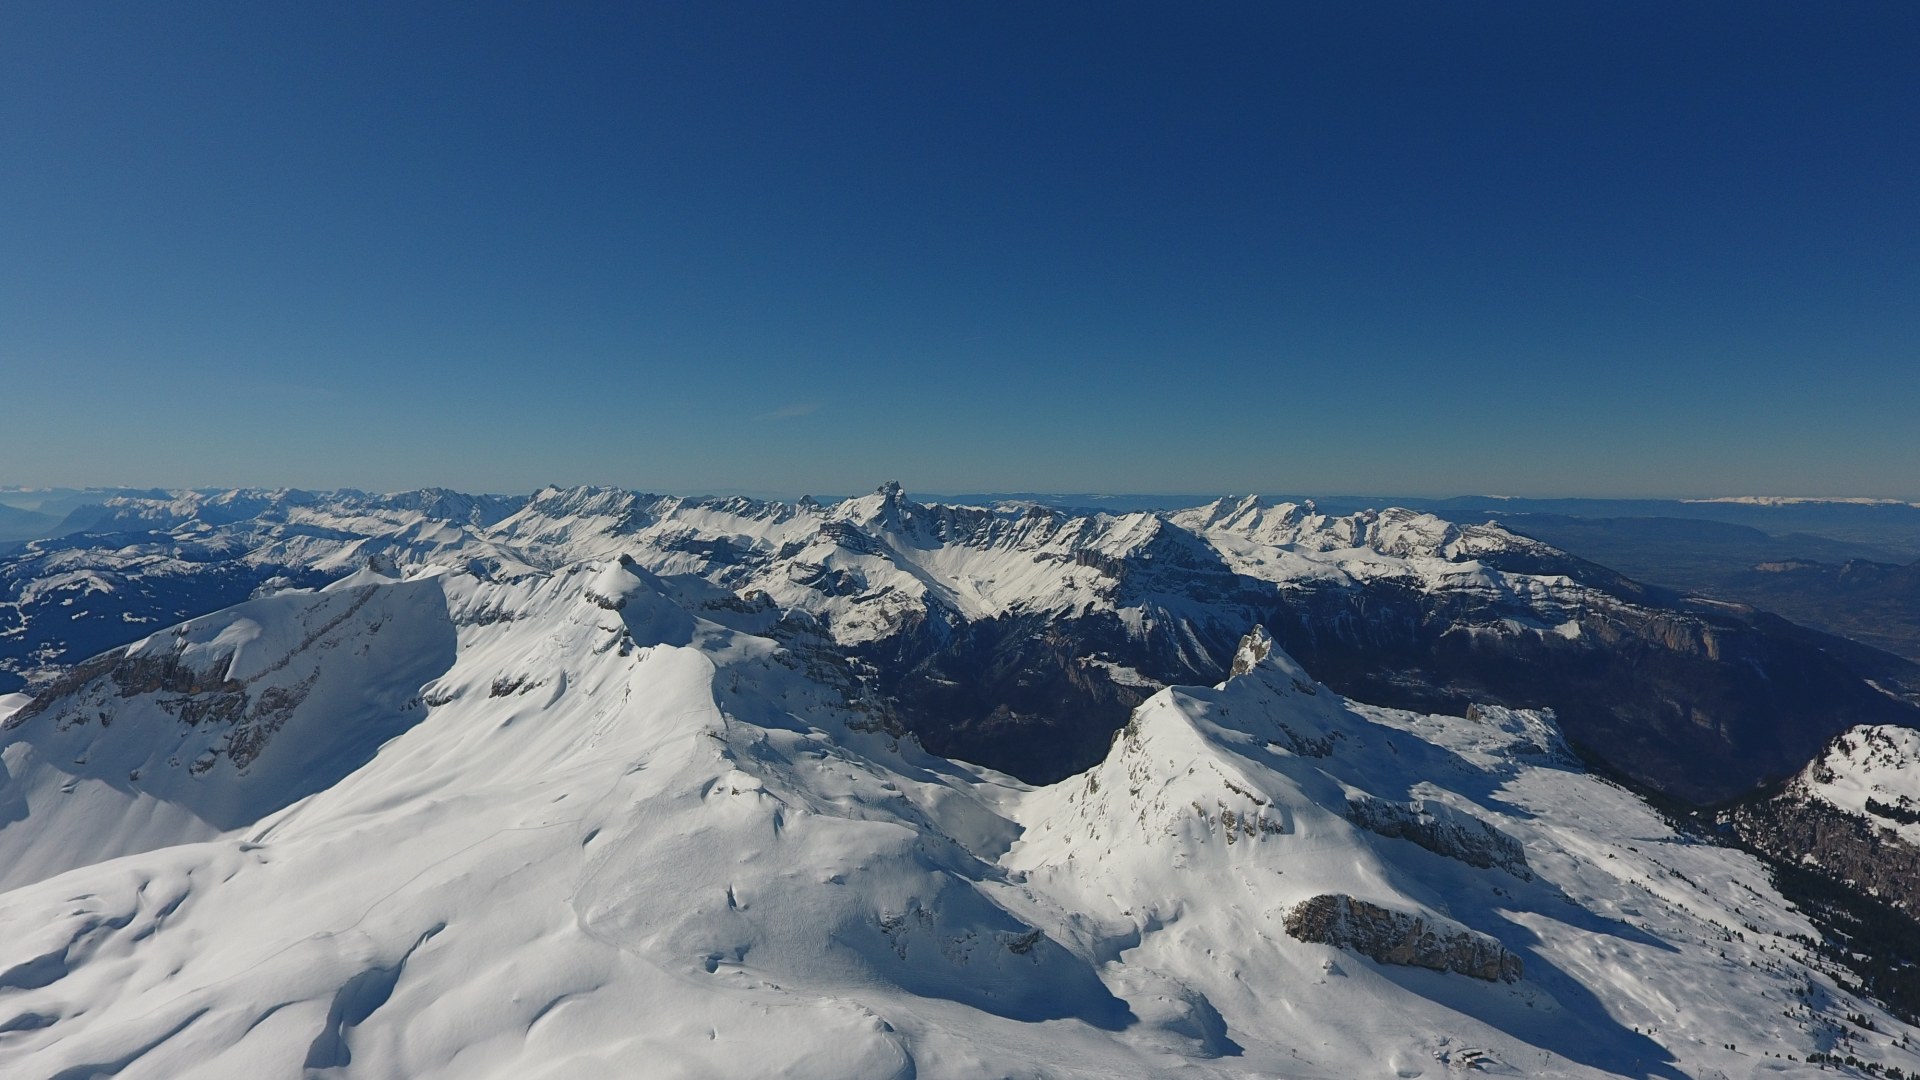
{"type": "Point", "coordinates": [1881, 754]}
{"type": "Point", "coordinates": [888, 509]}
{"type": "Point", "coordinates": [1244, 513]}
{"type": "Point", "coordinates": [1872, 771]}
{"type": "Point", "coordinates": [1259, 657]}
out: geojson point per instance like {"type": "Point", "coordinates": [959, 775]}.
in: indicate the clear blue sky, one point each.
{"type": "Point", "coordinates": [1607, 248]}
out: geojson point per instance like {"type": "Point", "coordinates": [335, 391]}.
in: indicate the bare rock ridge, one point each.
{"type": "Point", "coordinates": [1400, 937]}
{"type": "Point", "coordinates": [1255, 647]}
{"type": "Point", "coordinates": [1442, 830]}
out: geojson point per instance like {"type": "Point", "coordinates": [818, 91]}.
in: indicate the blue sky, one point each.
{"type": "Point", "coordinates": [1568, 249]}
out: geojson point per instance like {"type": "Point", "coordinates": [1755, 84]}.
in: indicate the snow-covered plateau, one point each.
{"type": "Point", "coordinates": [462, 815]}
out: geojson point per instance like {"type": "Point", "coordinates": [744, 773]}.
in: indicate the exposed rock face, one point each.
{"type": "Point", "coordinates": [1442, 830]}
{"type": "Point", "coordinates": [1850, 848]}
{"type": "Point", "coordinates": [229, 691]}
{"type": "Point", "coordinates": [1255, 647]}
{"type": "Point", "coordinates": [1399, 937]}
{"type": "Point", "coordinates": [202, 695]}
{"type": "Point", "coordinates": [145, 674]}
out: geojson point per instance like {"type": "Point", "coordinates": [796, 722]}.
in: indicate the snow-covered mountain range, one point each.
{"type": "Point", "coordinates": [1021, 637]}
{"type": "Point", "coordinates": [527, 799]}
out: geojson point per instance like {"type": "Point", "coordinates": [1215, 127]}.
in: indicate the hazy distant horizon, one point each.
{"type": "Point", "coordinates": [17, 494]}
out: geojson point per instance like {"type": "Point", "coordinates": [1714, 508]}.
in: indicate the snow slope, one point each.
{"type": "Point", "coordinates": [566, 823]}
{"type": "Point", "coordinates": [212, 725]}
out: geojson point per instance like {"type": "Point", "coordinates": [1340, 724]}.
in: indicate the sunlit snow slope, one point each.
{"type": "Point", "coordinates": [499, 822]}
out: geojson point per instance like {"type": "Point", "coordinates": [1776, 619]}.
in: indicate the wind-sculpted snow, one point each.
{"type": "Point", "coordinates": [574, 823]}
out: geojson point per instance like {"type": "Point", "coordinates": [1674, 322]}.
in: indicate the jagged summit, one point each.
{"type": "Point", "coordinates": [1259, 657]}
{"type": "Point", "coordinates": [1233, 512]}
{"type": "Point", "coordinates": [888, 509]}
{"type": "Point", "coordinates": [1253, 648]}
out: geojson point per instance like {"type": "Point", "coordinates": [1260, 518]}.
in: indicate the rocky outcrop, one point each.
{"type": "Point", "coordinates": [1442, 830]}
{"type": "Point", "coordinates": [1255, 647]}
{"type": "Point", "coordinates": [1853, 876]}
{"type": "Point", "coordinates": [1849, 847]}
{"type": "Point", "coordinates": [141, 673]}
{"type": "Point", "coordinates": [1847, 815]}
{"type": "Point", "coordinates": [1400, 937]}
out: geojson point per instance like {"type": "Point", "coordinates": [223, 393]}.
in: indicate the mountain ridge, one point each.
{"type": "Point", "coordinates": [1020, 637]}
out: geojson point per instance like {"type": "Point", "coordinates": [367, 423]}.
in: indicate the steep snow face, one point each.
{"type": "Point", "coordinates": [217, 722]}
{"type": "Point", "coordinates": [575, 827]}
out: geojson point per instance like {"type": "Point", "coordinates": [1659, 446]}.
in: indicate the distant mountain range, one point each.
{"type": "Point", "coordinates": [1891, 528]}
{"type": "Point", "coordinates": [1021, 636]}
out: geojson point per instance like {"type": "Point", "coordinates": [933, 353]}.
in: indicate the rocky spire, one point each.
{"type": "Point", "coordinates": [1254, 647]}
